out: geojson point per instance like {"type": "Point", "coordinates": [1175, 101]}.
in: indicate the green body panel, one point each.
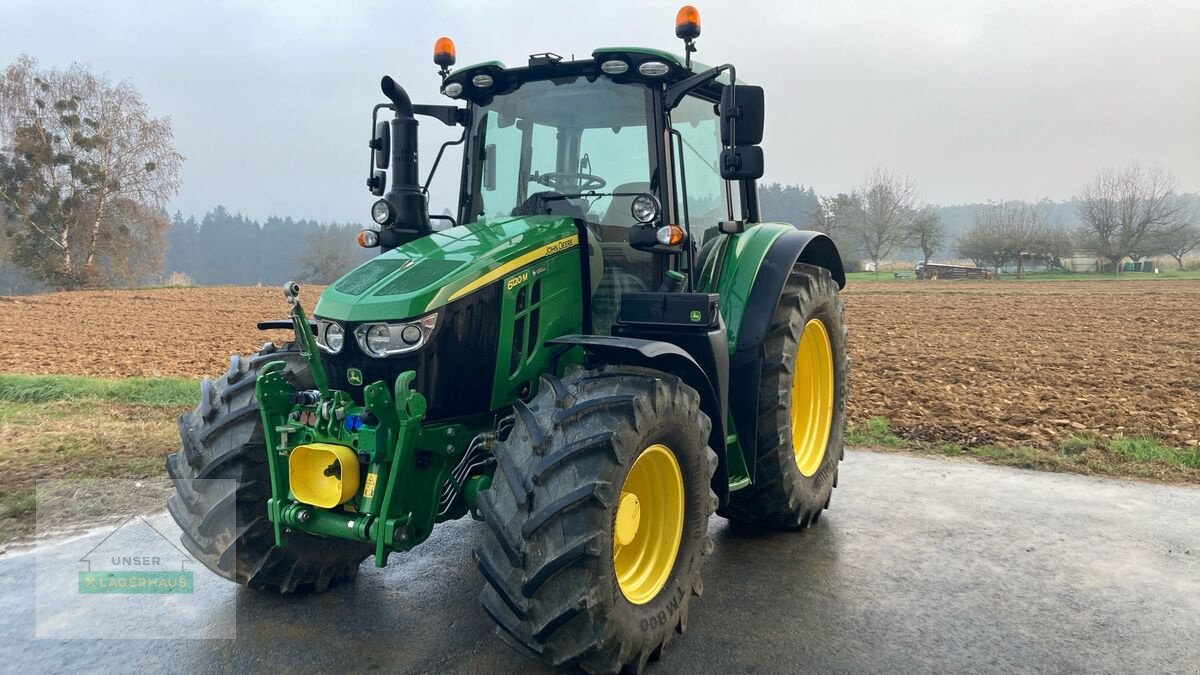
{"type": "Point", "coordinates": [424, 274]}
{"type": "Point", "coordinates": [482, 64]}
{"type": "Point", "coordinates": [406, 462]}
{"type": "Point", "coordinates": [535, 259]}
{"type": "Point", "coordinates": [738, 470]}
{"type": "Point", "coordinates": [740, 256]}
{"type": "Point", "coordinates": [540, 301]}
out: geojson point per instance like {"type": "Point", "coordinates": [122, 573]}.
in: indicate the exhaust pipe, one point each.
{"type": "Point", "coordinates": [410, 212]}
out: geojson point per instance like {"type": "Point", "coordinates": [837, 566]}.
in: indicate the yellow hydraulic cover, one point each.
{"type": "Point", "coordinates": [323, 474]}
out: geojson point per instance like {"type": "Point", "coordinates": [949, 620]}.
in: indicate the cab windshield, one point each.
{"type": "Point", "coordinates": [584, 145]}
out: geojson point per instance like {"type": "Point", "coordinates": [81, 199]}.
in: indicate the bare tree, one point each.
{"type": "Point", "coordinates": [885, 210]}
{"type": "Point", "coordinates": [986, 242]}
{"type": "Point", "coordinates": [1007, 232]}
{"type": "Point", "coordinates": [1028, 233]}
{"type": "Point", "coordinates": [1057, 244]}
{"type": "Point", "coordinates": [834, 216]}
{"type": "Point", "coordinates": [85, 171]}
{"type": "Point", "coordinates": [1124, 211]}
{"type": "Point", "coordinates": [1178, 242]}
{"type": "Point", "coordinates": [972, 245]}
{"type": "Point", "coordinates": [927, 233]}
{"type": "Point", "coordinates": [329, 253]}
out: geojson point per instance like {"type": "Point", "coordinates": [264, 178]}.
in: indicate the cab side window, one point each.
{"type": "Point", "coordinates": [697, 156]}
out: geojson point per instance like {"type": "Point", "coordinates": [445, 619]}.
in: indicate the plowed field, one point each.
{"type": "Point", "coordinates": [973, 363]}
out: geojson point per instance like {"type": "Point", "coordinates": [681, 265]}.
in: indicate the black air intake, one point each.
{"type": "Point", "coordinates": [411, 219]}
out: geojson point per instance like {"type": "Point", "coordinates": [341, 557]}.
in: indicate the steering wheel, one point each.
{"type": "Point", "coordinates": [562, 180]}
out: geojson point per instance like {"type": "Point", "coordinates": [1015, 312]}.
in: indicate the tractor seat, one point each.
{"type": "Point", "coordinates": [537, 204]}
{"type": "Point", "coordinates": [619, 211]}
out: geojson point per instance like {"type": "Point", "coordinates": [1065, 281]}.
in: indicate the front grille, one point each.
{"type": "Point", "coordinates": [455, 370]}
{"type": "Point", "coordinates": [368, 275]}
{"type": "Point", "coordinates": [419, 276]}
{"type": "Point", "coordinates": [528, 310]}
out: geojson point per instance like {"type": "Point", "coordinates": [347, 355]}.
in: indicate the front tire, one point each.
{"type": "Point", "coordinates": [802, 407]}
{"type": "Point", "coordinates": [222, 485]}
{"type": "Point", "coordinates": [599, 519]}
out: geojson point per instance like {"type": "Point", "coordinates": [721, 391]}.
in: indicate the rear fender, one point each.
{"type": "Point", "coordinates": [752, 269]}
{"type": "Point", "coordinates": [791, 247]}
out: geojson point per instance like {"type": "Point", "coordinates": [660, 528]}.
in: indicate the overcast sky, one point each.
{"type": "Point", "coordinates": [975, 100]}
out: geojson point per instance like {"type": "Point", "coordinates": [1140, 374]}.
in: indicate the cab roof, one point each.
{"type": "Point", "coordinates": [480, 82]}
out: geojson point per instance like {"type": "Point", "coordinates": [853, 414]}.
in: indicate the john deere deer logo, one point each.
{"type": "Point", "coordinates": [354, 376]}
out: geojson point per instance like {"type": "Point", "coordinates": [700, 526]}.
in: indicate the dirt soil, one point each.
{"type": "Point", "coordinates": [973, 363]}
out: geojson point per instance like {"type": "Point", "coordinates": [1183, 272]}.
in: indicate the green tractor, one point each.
{"type": "Point", "coordinates": [603, 348]}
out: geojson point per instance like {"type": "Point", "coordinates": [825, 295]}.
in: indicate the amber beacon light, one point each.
{"type": "Point", "coordinates": [444, 55]}
{"type": "Point", "coordinates": [687, 23]}
{"type": "Point", "coordinates": [687, 28]}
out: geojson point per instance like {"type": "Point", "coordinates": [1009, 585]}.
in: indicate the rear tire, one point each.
{"type": "Point", "coordinates": [782, 495]}
{"type": "Point", "coordinates": [225, 522]}
{"type": "Point", "coordinates": [560, 505]}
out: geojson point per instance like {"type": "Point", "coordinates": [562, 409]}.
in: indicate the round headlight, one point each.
{"type": "Point", "coordinates": [378, 339]}
{"type": "Point", "coordinates": [614, 67]}
{"type": "Point", "coordinates": [482, 81]}
{"type": "Point", "coordinates": [645, 208]}
{"type": "Point", "coordinates": [381, 212]}
{"type": "Point", "coordinates": [453, 90]}
{"type": "Point", "coordinates": [654, 68]}
{"type": "Point", "coordinates": [335, 337]}
{"type": "Point", "coordinates": [411, 334]}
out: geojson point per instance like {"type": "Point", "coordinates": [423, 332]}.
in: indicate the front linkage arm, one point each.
{"type": "Point", "coordinates": [304, 337]}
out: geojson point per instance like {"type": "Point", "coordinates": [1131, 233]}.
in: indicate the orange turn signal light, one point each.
{"type": "Point", "coordinates": [669, 235]}
{"type": "Point", "coordinates": [687, 23]}
{"type": "Point", "coordinates": [443, 52]}
{"type": "Point", "coordinates": [368, 238]}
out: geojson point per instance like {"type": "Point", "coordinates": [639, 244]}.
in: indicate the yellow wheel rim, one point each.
{"type": "Point", "coordinates": [812, 397]}
{"type": "Point", "coordinates": [648, 525]}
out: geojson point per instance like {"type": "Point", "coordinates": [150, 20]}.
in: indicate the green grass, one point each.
{"type": "Point", "coordinates": [58, 427]}
{"type": "Point", "coordinates": [67, 427]}
{"type": "Point", "coordinates": [1130, 456]}
{"type": "Point", "coordinates": [1151, 450]}
{"type": "Point", "coordinates": [172, 392]}
{"type": "Point", "coordinates": [16, 508]}
{"type": "Point", "coordinates": [877, 432]}
{"type": "Point", "coordinates": [1164, 275]}
{"type": "Point", "coordinates": [1079, 444]}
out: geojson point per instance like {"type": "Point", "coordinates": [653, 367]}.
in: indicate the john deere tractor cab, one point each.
{"type": "Point", "coordinates": [601, 349]}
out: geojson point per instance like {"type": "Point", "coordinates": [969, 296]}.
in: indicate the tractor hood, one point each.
{"type": "Point", "coordinates": [425, 274]}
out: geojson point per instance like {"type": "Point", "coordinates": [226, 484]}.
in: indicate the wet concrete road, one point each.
{"type": "Point", "coordinates": [921, 566]}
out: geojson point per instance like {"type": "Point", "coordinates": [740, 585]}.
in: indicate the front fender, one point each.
{"type": "Point", "coordinates": [668, 358]}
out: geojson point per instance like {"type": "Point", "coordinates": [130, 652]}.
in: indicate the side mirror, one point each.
{"type": "Point", "coordinates": [489, 167]}
{"type": "Point", "coordinates": [748, 113]}
{"type": "Point", "coordinates": [742, 163]}
{"type": "Point", "coordinates": [377, 183]}
{"type": "Point", "coordinates": [381, 144]}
